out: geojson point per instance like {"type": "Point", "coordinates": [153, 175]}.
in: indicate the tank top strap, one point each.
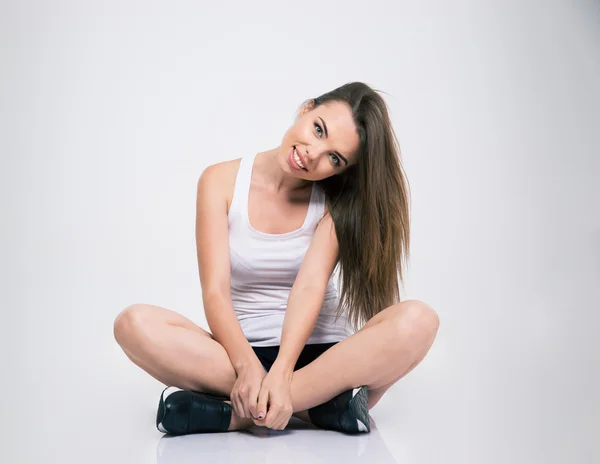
{"type": "Point", "coordinates": [239, 204]}
{"type": "Point", "coordinates": [319, 202]}
{"type": "Point", "coordinates": [242, 187]}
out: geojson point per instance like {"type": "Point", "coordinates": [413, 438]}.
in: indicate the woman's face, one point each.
{"type": "Point", "coordinates": [325, 139]}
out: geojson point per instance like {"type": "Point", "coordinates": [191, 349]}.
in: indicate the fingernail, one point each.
{"type": "Point", "coordinates": [260, 416]}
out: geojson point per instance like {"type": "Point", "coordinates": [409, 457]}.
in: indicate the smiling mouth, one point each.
{"type": "Point", "coordinates": [299, 160]}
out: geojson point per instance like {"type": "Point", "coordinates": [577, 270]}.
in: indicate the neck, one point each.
{"type": "Point", "coordinates": [270, 165]}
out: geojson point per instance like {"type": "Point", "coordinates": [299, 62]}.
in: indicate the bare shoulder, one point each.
{"type": "Point", "coordinates": [211, 229]}
{"type": "Point", "coordinates": [223, 175]}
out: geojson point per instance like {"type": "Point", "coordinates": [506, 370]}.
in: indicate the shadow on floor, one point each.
{"type": "Point", "coordinates": [299, 442]}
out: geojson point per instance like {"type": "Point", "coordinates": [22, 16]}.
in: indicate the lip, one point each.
{"type": "Point", "coordinates": [293, 163]}
{"type": "Point", "coordinates": [300, 156]}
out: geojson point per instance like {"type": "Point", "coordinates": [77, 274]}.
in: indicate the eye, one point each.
{"type": "Point", "coordinates": [337, 161]}
{"type": "Point", "coordinates": [319, 127]}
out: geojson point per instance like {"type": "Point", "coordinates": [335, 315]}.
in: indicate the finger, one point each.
{"type": "Point", "coordinates": [253, 402]}
{"type": "Point", "coordinates": [285, 422]}
{"type": "Point", "coordinates": [234, 406]}
{"type": "Point", "coordinates": [278, 421]}
{"type": "Point", "coordinates": [272, 417]}
{"type": "Point", "coordinates": [263, 398]}
{"type": "Point", "coordinates": [260, 423]}
{"type": "Point", "coordinates": [233, 396]}
{"type": "Point", "coordinates": [239, 410]}
{"type": "Point", "coordinates": [268, 421]}
{"type": "Point", "coordinates": [279, 425]}
{"type": "Point", "coordinates": [232, 399]}
{"type": "Point", "coordinates": [275, 423]}
{"type": "Point", "coordinates": [244, 403]}
{"type": "Point", "coordinates": [284, 418]}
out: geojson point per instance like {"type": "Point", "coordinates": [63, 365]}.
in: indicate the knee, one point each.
{"type": "Point", "coordinates": [128, 321]}
{"type": "Point", "coordinates": [419, 316]}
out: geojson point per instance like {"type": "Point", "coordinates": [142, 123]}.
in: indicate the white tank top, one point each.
{"type": "Point", "coordinates": [264, 268]}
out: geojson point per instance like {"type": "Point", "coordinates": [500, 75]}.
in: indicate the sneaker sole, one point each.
{"type": "Point", "coordinates": [161, 407]}
{"type": "Point", "coordinates": [358, 410]}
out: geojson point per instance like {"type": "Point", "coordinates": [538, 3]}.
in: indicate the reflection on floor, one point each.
{"type": "Point", "coordinates": [299, 442]}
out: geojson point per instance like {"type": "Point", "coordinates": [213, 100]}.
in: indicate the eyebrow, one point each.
{"type": "Point", "coordinates": [327, 135]}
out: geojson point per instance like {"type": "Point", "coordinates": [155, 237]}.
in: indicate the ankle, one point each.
{"type": "Point", "coordinates": [303, 415]}
{"type": "Point", "coordinates": [237, 423]}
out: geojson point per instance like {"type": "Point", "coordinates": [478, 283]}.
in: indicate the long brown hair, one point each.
{"type": "Point", "coordinates": [369, 204]}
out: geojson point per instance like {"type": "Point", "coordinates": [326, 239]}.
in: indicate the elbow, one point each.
{"type": "Point", "coordinates": [214, 299]}
{"type": "Point", "coordinates": [215, 293]}
{"type": "Point", "coordinates": [309, 290]}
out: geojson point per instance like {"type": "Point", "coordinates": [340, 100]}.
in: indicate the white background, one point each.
{"type": "Point", "coordinates": [110, 111]}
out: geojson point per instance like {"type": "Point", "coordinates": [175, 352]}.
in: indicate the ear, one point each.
{"type": "Point", "coordinates": [309, 105]}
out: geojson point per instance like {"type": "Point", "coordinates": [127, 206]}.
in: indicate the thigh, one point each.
{"type": "Point", "coordinates": [174, 350]}
{"type": "Point", "coordinates": [138, 315]}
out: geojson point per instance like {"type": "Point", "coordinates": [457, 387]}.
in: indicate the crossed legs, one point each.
{"type": "Point", "coordinates": [177, 352]}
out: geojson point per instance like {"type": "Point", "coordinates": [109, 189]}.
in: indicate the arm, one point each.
{"type": "Point", "coordinates": [301, 316]}
{"type": "Point", "coordinates": [226, 330]}
{"type": "Point", "coordinates": [304, 304]}
{"type": "Point", "coordinates": [212, 242]}
{"type": "Point", "coordinates": [307, 295]}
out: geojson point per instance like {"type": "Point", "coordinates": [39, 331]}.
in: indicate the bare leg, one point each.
{"type": "Point", "coordinates": [376, 393]}
{"type": "Point", "coordinates": [177, 352]}
{"type": "Point", "coordinates": [174, 350]}
{"type": "Point", "coordinates": [391, 344]}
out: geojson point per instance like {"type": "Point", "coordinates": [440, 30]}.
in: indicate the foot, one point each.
{"type": "Point", "coordinates": [347, 412]}
{"type": "Point", "coordinates": [182, 412]}
{"type": "Point", "coordinates": [237, 423]}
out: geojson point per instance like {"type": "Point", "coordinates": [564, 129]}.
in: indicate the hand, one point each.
{"type": "Point", "coordinates": [244, 394]}
{"type": "Point", "coordinates": [275, 393]}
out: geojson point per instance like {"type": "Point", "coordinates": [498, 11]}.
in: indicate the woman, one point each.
{"type": "Point", "coordinates": [270, 230]}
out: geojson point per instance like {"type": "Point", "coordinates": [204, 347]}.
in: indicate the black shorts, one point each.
{"type": "Point", "coordinates": [268, 354]}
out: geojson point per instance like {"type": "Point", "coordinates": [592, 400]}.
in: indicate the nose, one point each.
{"type": "Point", "coordinates": [307, 157]}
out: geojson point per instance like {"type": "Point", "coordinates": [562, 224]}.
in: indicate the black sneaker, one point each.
{"type": "Point", "coordinates": [348, 412]}
{"type": "Point", "coordinates": [182, 412]}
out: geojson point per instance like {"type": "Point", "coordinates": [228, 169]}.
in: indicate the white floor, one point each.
{"type": "Point", "coordinates": [82, 400]}
{"type": "Point", "coordinates": [301, 443]}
